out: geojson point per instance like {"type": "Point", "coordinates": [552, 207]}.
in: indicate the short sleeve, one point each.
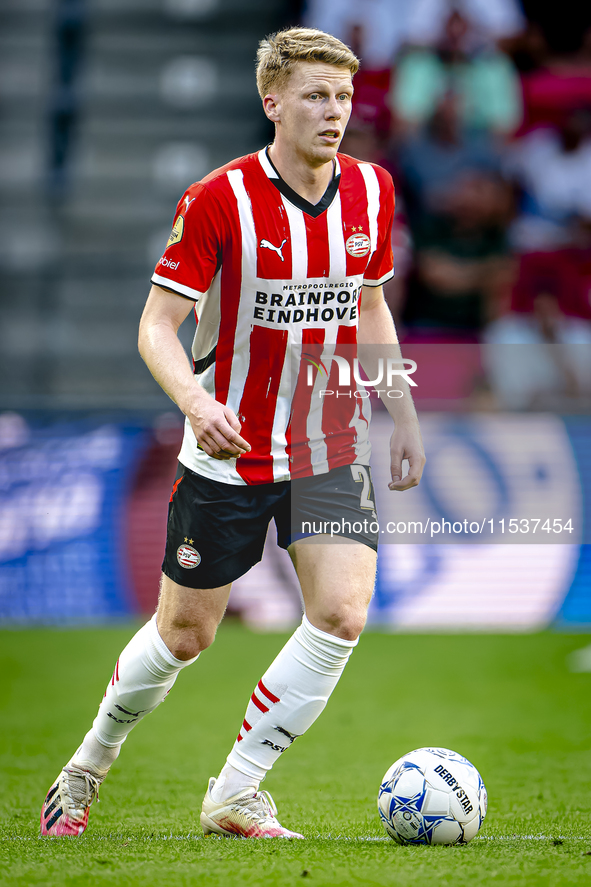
{"type": "Point", "coordinates": [380, 267]}
{"type": "Point", "coordinates": [193, 253]}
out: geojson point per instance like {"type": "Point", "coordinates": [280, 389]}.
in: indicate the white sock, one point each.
{"type": "Point", "coordinates": [94, 755]}
{"type": "Point", "coordinates": [288, 699]}
{"type": "Point", "coordinates": [144, 674]}
{"type": "Point", "coordinates": [232, 782]}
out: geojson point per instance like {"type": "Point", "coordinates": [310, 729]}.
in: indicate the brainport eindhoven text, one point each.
{"type": "Point", "coordinates": [313, 302]}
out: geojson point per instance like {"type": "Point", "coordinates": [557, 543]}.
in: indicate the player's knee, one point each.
{"type": "Point", "coordinates": [350, 629]}
{"type": "Point", "coordinates": [191, 641]}
{"type": "Point", "coordinates": [184, 639]}
{"type": "Point", "coordinates": [345, 623]}
{"type": "Point", "coordinates": [204, 636]}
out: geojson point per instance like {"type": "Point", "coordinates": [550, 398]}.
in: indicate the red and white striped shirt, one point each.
{"type": "Point", "coordinates": [277, 282]}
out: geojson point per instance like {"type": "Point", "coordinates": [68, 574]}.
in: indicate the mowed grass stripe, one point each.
{"type": "Point", "coordinates": [509, 703]}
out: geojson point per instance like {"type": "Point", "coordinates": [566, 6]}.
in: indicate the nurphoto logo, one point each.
{"type": "Point", "coordinates": [387, 370]}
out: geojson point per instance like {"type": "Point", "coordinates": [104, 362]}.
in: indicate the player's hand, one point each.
{"type": "Point", "coordinates": [406, 443]}
{"type": "Point", "coordinates": [217, 429]}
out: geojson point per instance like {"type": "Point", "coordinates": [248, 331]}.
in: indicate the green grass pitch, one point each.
{"type": "Point", "coordinates": [509, 703]}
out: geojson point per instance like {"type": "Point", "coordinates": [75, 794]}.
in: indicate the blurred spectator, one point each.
{"type": "Point", "coordinates": [431, 159]}
{"type": "Point", "coordinates": [482, 81]}
{"type": "Point", "coordinates": [553, 92]}
{"type": "Point", "coordinates": [540, 360]}
{"type": "Point", "coordinates": [374, 29]}
{"type": "Point", "coordinates": [463, 270]}
{"type": "Point", "coordinates": [454, 103]}
{"type": "Point", "coordinates": [490, 20]}
{"type": "Point", "coordinates": [554, 55]}
{"type": "Point", "coordinates": [553, 169]}
{"type": "Point", "coordinates": [565, 273]}
{"type": "Point", "coordinates": [553, 230]}
{"type": "Point", "coordinates": [448, 105]}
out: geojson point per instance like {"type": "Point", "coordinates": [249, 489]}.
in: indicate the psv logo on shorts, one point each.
{"type": "Point", "coordinates": [358, 245]}
{"type": "Point", "coordinates": [188, 557]}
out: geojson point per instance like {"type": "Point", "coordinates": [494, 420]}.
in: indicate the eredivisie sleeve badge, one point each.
{"type": "Point", "coordinates": [176, 235]}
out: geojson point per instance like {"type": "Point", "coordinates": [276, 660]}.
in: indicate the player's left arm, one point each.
{"type": "Point", "coordinates": [377, 338]}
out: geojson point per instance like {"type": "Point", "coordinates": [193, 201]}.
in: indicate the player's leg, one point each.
{"type": "Point", "coordinates": [337, 579]}
{"type": "Point", "coordinates": [230, 523]}
{"type": "Point", "coordinates": [184, 625]}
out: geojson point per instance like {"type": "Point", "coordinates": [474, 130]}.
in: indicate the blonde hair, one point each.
{"type": "Point", "coordinates": [278, 53]}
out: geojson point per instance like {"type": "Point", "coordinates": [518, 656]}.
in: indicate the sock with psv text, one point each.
{"type": "Point", "coordinates": [143, 676]}
{"type": "Point", "coordinates": [286, 701]}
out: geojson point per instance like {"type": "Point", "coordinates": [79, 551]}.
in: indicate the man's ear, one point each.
{"type": "Point", "coordinates": [272, 107]}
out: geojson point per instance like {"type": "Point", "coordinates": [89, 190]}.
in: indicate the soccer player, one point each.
{"type": "Point", "coordinates": [282, 254]}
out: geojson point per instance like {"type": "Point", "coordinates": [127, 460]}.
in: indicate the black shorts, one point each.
{"type": "Point", "coordinates": [216, 531]}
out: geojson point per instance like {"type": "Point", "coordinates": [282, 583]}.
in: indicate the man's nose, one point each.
{"type": "Point", "coordinates": [333, 109]}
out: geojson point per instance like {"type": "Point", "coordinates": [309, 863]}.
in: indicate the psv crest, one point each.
{"type": "Point", "coordinates": [358, 245]}
{"type": "Point", "coordinates": [188, 557]}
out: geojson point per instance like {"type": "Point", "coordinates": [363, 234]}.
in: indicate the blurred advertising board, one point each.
{"type": "Point", "coordinates": [493, 536]}
{"type": "Point", "coordinates": [83, 507]}
{"type": "Point", "coordinates": [63, 496]}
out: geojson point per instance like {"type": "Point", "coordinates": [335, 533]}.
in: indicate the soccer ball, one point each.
{"type": "Point", "coordinates": [432, 796]}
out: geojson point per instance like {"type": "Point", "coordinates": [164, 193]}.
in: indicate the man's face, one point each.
{"type": "Point", "coordinates": [312, 110]}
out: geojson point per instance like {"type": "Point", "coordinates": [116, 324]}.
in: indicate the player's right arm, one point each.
{"type": "Point", "coordinates": [216, 427]}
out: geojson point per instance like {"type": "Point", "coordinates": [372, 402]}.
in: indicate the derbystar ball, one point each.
{"type": "Point", "coordinates": [432, 796]}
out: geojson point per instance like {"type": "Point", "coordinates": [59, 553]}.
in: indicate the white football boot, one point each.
{"type": "Point", "coordinates": [248, 814]}
{"type": "Point", "coordinates": [66, 807]}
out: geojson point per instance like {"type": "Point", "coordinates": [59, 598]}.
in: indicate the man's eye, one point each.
{"type": "Point", "coordinates": [344, 97]}
{"type": "Point", "coordinates": [314, 95]}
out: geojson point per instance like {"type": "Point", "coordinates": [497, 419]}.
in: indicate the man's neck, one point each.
{"type": "Point", "coordinates": [310, 182]}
